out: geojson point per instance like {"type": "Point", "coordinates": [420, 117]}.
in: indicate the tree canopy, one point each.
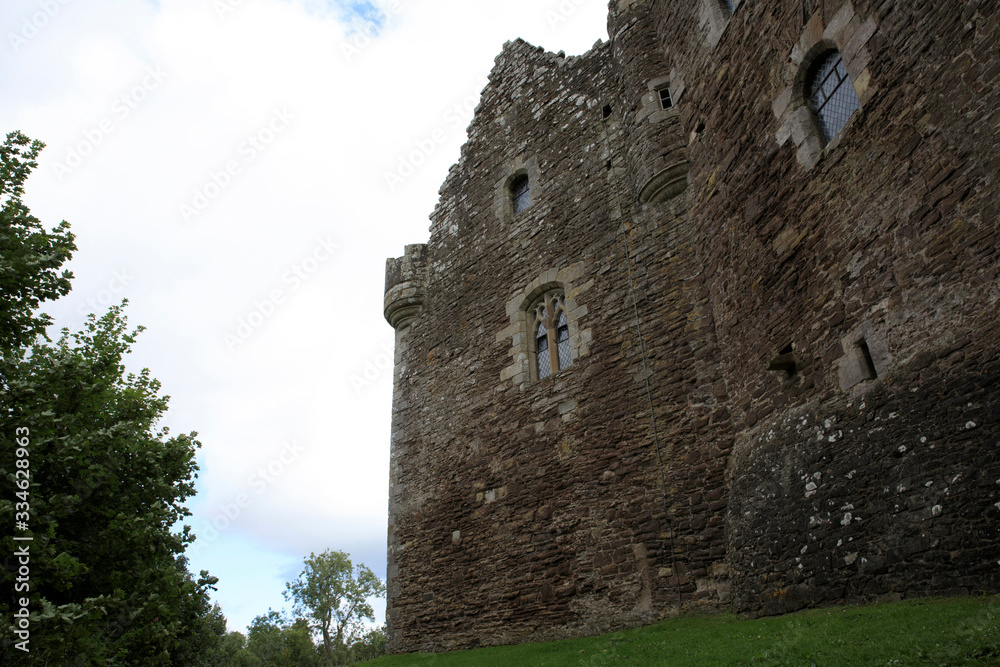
{"type": "Point", "coordinates": [333, 596]}
{"type": "Point", "coordinates": [30, 256]}
{"type": "Point", "coordinates": [96, 486]}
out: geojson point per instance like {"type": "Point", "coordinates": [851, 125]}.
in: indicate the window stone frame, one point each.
{"type": "Point", "coordinates": [845, 33]}
{"type": "Point", "coordinates": [503, 202]}
{"type": "Point", "coordinates": [518, 332]}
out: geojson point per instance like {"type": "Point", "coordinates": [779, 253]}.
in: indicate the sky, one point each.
{"type": "Point", "coordinates": [240, 170]}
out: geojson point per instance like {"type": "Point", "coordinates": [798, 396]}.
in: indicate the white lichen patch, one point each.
{"type": "Point", "coordinates": [846, 521]}
{"type": "Point", "coordinates": [937, 510]}
{"type": "Point", "coordinates": [850, 558]}
{"type": "Point", "coordinates": [970, 425]}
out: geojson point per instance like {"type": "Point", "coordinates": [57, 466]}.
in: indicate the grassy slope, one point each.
{"type": "Point", "coordinates": [963, 631]}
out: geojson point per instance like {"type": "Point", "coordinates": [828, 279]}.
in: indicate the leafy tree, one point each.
{"type": "Point", "coordinates": [90, 478]}
{"type": "Point", "coordinates": [333, 596]}
{"type": "Point", "coordinates": [369, 646]}
{"type": "Point", "coordinates": [273, 641]}
{"type": "Point", "coordinates": [108, 577]}
{"type": "Point", "coordinates": [30, 256]}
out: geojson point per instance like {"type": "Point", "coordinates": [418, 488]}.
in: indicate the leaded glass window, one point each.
{"type": "Point", "coordinates": [551, 327]}
{"type": "Point", "coordinates": [520, 191]}
{"type": "Point", "coordinates": [831, 93]}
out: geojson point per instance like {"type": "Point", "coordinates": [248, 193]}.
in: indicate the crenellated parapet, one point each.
{"type": "Point", "coordinates": [405, 283]}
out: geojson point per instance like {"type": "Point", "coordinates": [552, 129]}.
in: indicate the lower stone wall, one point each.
{"type": "Point", "coordinates": [893, 494]}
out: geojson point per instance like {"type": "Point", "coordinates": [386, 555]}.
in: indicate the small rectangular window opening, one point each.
{"type": "Point", "coordinates": [665, 101]}
{"type": "Point", "coordinates": [866, 357]}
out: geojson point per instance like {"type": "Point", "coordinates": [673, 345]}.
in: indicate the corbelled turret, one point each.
{"type": "Point", "coordinates": [654, 139]}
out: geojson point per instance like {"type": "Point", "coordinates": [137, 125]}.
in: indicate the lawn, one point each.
{"type": "Point", "coordinates": [959, 631]}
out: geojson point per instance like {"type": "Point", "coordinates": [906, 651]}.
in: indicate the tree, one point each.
{"type": "Point", "coordinates": [30, 256]}
{"type": "Point", "coordinates": [273, 641]}
{"type": "Point", "coordinates": [94, 489]}
{"type": "Point", "coordinates": [108, 575]}
{"type": "Point", "coordinates": [333, 596]}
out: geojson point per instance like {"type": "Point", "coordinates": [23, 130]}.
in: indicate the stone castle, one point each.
{"type": "Point", "coordinates": [707, 319]}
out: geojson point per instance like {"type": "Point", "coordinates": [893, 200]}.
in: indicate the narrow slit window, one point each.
{"type": "Point", "coordinates": [520, 191]}
{"type": "Point", "coordinates": [552, 343]}
{"type": "Point", "coordinates": [831, 94]}
{"type": "Point", "coordinates": [868, 364]}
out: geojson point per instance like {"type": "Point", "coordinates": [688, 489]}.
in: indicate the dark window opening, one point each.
{"type": "Point", "coordinates": [521, 193]}
{"type": "Point", "coordinates": [665, 101]}
{"type": "Point", "coordinates": [606, 111]}
{"type": "Point", "coordinates": [831, 93]}
{"type": "Point", "coordinates": [785, 361]}
{"type": "Point", "coordinates": [866, 357]}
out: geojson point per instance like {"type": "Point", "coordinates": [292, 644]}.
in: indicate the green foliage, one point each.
{"type": "Point", "coordinates": [30, 256]}
{"type": "Point", "coordinates": [963, 631]}
{"type": "Point", "coordinates": [107, 573]}
{"type": "Point", "coordinates": [87, 474]}
{"type": "Point", "coordinates": [369, 646]}
{"type": "Point", "coordinates": [274, 642]}
{"type": "Point", "coordinates": [333, 595]}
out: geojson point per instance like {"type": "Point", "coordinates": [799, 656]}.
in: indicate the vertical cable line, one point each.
{"type": "Point", "coordinates": [645, 363]}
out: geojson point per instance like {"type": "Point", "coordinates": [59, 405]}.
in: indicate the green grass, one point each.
{"type": "Point", "coordinates": [961, 631]}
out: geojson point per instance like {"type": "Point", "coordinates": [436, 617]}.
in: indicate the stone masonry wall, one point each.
{"type": "Point", "coordinates": [844, 489]}
{"type": "Point", "coordinates": [525, 509]}
{"type": "Point", "coordinates": [863, 271]}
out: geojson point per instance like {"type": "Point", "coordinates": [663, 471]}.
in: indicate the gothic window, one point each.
{"type": "Point", "coordinates": [551, 329]}
{"type": "Point", "coordinates": [520, 192]}
{"type": "Point", "coordinates": [831, 94]}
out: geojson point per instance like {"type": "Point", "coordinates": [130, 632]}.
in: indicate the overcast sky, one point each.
{"type": "Point", "coordinates": [240, 170]}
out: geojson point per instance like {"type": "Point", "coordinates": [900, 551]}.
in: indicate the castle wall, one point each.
{"type": "Point", "coordinates": [844, 489]}
{"type": "Point", "coordinates": [698, 247]}
{"type": "Point", "coordinates": [524, 509]}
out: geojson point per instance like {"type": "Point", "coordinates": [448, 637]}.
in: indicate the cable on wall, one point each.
{"type": "Point", "coordinates": [625, 226]}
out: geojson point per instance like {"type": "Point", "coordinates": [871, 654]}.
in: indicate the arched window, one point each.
{"type": "Point", "coordinates": [551, 327]}
{"type": "Point", "coordinates": [520, 193]}
{"type": "Point", "coordinates": [831, 93]}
